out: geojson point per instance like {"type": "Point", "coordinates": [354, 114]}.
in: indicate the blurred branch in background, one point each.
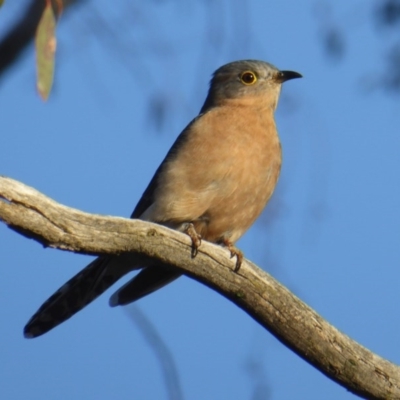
{"type": "Point", "coordinates": [22, 33]}
{"type": "Point", "coordinates": [133, 33]}
{"type": "Point", "coordinates": [334, 34]}
{"type": "Point", "coordinates": [164, 356]}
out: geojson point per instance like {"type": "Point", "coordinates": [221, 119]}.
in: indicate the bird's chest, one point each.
{"type": "Point", "coordinates": [248, 163]}
{"type": "Point", "coordinates": [245, 179]}
{"type": "Point", "coordinates": [221, 176]}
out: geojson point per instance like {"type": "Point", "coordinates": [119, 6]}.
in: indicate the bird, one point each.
{"type": "Point", "coordinates": [213, 184]}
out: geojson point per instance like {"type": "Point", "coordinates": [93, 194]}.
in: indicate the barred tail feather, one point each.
{"type": "Point", "coordinates": [77, 293]}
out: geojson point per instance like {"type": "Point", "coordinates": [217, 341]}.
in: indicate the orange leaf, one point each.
{"type": "Point", "coordinates": [45, 43]}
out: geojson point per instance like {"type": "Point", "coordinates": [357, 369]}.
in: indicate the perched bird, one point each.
{"type": "Point", "coordinates": [213, 184]}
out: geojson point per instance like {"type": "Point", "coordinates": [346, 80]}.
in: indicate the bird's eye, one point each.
{"type": "Point", "coordinates": [248, 78]}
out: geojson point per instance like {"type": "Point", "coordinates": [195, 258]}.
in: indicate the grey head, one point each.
{"type": "Point", "coordinates": [246, 78]}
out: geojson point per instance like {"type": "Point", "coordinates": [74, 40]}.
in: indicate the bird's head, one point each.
{"type": "Point", "coordinates": [247, 81]}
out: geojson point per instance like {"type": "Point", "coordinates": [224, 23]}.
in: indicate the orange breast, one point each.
{"type": "Point", "coordinates": [224, 173]}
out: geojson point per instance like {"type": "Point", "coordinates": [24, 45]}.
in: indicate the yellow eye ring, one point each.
{"type": "Point", "coordinates": [248, 78]}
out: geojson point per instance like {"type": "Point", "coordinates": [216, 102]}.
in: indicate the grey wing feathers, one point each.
{"type": "Point", "coordinates": [151, 278]}
{"type": "Point", "coordinates": [147, 198]}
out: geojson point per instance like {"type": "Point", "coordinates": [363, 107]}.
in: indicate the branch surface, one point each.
{"type": "Point", "coordinates": [291, 321]}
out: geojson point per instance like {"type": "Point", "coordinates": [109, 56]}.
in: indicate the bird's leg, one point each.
{"type": "Point", "coordinates": [194, 236]}
{"type": "Point", "coordinates": [234, 252]}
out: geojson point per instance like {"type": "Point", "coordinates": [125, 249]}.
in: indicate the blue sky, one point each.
{"type": "Point", "coordinates": [331, 233]}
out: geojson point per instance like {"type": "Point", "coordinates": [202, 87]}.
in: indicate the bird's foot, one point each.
{"type": "Point", "coordinates": [195, 237]}
{"type": "Point", "coordinates": [235, 252]}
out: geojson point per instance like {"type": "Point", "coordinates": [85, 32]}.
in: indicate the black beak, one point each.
{"type": "Point", "coordinates": [284, 76]}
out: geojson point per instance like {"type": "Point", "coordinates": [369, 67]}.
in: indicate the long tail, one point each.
{"type": "Point", "coordinates": [77, 293]}
{"type": "Point", "coordinates": [147, 281]}
{"type": "Point", "coordinates": [90, 283]}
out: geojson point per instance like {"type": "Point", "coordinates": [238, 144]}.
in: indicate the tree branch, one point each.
{"type": "Point", "coordinates": [36, 216]}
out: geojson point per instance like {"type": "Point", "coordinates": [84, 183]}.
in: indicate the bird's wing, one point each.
{"type": "Point", "coordinates": [152, 278]}
{"type": "Point", "coordinates": [103, 272]}
{"type": "Point", "coordinates": [147, 198]}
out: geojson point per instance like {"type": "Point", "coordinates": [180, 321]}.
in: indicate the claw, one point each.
{"type": "Point", "coordinates": [195, 237]}
{"type": "Point", "coordinates": [235, 252]}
